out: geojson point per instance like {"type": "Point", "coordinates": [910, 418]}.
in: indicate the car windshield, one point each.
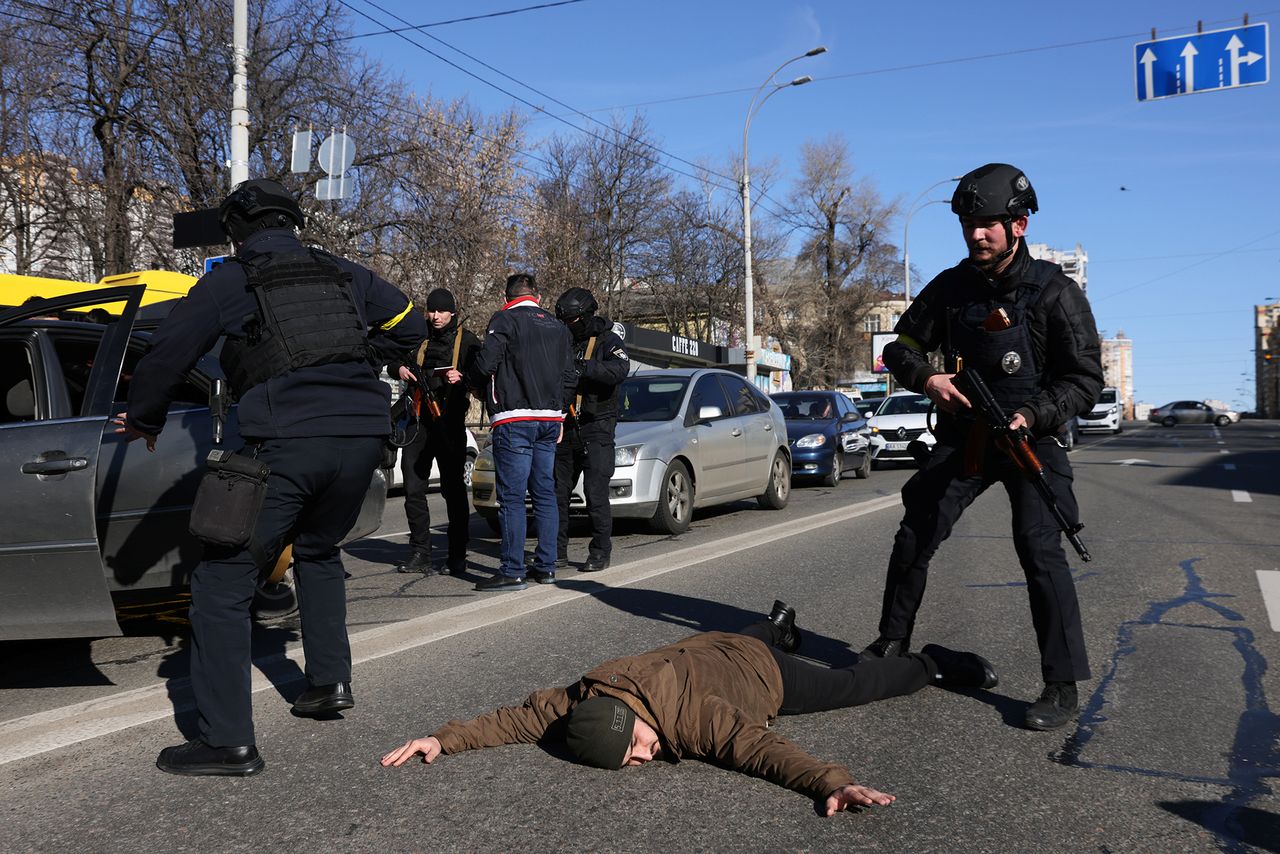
{"type": "Point", "coordinates": [811, 406]}
{"type": "Point", "coordinates": [650, 398]}
{"type": "Point", "coordinates": [1107, 397]}
{"type": "Point", "coordinates": [868, 405]}
{"type": "Point", "coordinates": [913, 404]}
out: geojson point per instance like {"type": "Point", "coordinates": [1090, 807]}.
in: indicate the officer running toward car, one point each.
{"type": "Point", "coordinates": [601, 363]}
{"type": "Point", "coordinates": [301, 327]}
{"type": "Point", "coordinates": [1027, 330]}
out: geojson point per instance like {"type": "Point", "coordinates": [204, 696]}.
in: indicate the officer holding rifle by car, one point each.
{"type": "Point", "coordinates": [303, 332]}
{"type": "Point", "coordinates": [439, 404]}
{"type": "Point", "coordinates": [1026, 331]}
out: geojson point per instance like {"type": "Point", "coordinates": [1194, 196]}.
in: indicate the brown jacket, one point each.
{"type": "Point", "coordinates": [709, 696]}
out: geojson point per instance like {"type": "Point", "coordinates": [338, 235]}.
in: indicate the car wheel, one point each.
{"type": "Point", "coordinates": [675, 501]}
{"type": "Point", "coordinates": [491, 519]}
{"type": "Point", "coordinates": [468, 466]}
{"type": "Point", "coordinates": [275, 600]}
{"type": "Point", "coordinates": [1117, 431]}
{"type": "Point", "coordinates": [1169, 421]}
{"type": "Point", "coordinates": [837, 470]}
{"type": "Point", "coordinates": [863, 471]}
{"type": "Point", "coordinates": [1222, 420]}
{"type": "Point", "coordinates": [779, 489]}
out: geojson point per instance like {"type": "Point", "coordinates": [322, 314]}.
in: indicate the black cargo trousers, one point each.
{"type": "Point", "coordinates": [586, 451]}
{"type": "Point", "coordinates": [314, 494]}
{"type": "Point", "coordinates": [936, 496]}
{"type": "Point", "coordinates": [445, 442]}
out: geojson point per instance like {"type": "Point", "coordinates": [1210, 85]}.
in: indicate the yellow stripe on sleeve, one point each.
{"type": "Point", "coordinates": [399, 317]}
{"type": "Point", "coordinates": [911, 342]}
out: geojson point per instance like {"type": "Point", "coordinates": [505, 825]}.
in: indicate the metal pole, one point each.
{"type": "Point", "coordinates": [748, 282]}
{"type": "Point", "coordinates": [239, 162]}
{"type": "Point", "coordinates": [906, 231]}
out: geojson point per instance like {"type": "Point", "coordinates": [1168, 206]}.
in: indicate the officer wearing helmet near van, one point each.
{"type": "Point", "coordinates": [303, 332]}
{"type": "Point", "coordinates": [1028, 330]}
{"type": "Point", "coordinates": [602, 363]}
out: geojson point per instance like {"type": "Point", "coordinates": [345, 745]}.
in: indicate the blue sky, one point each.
{"type": "Point", "coordinates": [1176, 260]}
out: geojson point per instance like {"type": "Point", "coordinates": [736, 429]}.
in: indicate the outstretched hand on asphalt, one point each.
{"type": "Point", "coordinates": [429, 747]}
{"type": "Point", "coordinates": [853, 795]}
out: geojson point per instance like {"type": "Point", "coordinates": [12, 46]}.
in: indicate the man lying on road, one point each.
{"type": "Point", "coordinates": [710, 697]}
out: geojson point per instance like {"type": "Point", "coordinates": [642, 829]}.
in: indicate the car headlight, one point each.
{"type": "Point", "coordinates": [1113, 410]}
{"type": "Point", "coordinates": [813, 440]}
{"type": "Point", "coordinates": [484, 462]}
{"type": "Point", "coordinates": [626, 455]}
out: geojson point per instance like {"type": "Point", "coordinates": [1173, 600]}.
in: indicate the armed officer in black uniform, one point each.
{"type": "Point", "coordinates": [1028, 330]}
{"type": "Point", "coordinates": [441, 435]}
{"type": "Point", "coordinates": [301, 329]}
{"type": "Point", "coordinates": [602, 363]}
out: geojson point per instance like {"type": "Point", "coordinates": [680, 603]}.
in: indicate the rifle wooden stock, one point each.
{"type": "Point", "coordinates": [1017, 445]}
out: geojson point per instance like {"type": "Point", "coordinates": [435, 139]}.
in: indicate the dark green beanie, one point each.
{"type": "Point", "coordinates": [599, 731]}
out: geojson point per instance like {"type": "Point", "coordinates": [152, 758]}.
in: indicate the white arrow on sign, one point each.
{"type": "Point", "coordinates": [1189, 59]}
{"type": "Point", "coordinates": [1148, 60]}
{"type": "Point", "coordinates": [1233, 48]}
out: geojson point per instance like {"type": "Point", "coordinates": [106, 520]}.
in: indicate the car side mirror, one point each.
{"type": "Point", "coordinates": [709, 413]}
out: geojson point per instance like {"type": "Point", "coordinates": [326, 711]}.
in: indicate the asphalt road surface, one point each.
{"type": "Point", "coordinates": [1177, 747]}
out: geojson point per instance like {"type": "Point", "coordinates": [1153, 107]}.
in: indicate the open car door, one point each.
{"type": "Point", "coordinates": [52, 578]}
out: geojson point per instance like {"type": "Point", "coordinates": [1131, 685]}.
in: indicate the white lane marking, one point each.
{"type": "Point", "coordinates": [1229, 466]}
{"type": "Point", "coordinates": [1269, 581]}
{"type": "Point", "coordinates": [1131, 462]}
{"type": "Point", "coordinates": [1223, 451]}
{"type": "Point", "coordinates": [1240, 496]}
{"type": "Point", "coordinates": [52, 729]}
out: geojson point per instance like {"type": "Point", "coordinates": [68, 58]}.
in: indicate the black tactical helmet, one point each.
{"type": "Point", "coordinates": [575, 302]}
{"type": "Point", "coordinates": [251, 204]}
{"type": "Point", "coordinates": [996, 190]}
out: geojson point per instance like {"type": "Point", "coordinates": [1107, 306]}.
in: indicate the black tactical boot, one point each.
{"type": "Point", "coordinates": [784, 617]}
{"type": "Point", "coordinates": [883, 647]}
{"type": "Point", "coordinates": [1057, 705]}
{"type": "Point", "coordinates": [419, 561]}
{"type": "Point", "coordinates": [961, 669]}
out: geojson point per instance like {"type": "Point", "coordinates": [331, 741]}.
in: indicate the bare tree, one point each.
{"type": "Point", "coordinates": [841, 268]}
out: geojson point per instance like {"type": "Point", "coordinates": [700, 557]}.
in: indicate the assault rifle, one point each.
{"type": "Point", "coordinates": [1017, 445]}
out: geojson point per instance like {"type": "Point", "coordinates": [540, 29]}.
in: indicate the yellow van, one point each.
{"type": "Point", "coordinates": [161, 285]}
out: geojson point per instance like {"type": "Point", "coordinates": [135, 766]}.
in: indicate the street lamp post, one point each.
{"type": "Point", "coordinates": [906, 232]}
{"type": "Point", "coordinates": [756, 103]}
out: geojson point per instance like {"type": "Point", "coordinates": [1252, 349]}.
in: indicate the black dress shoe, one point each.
{"type": "Point", "coordinates": [883, 647]}
{"type": "Point", "coordinates": [501, 582]}
{"type": "Point", "coordinates": [197, 759]}
{"type": "Point", "coordinates": [540, 576]}
{"type": "Point", "coordinates": [324, 700]}
{"type": "Point", "coordinates": [595, 564]}
{"type": "Point", "coordinates": [419, 561]}
{"type": "Point", "coordinates": [1056, 706]}
{"type": "Point", "coordinates": [784, 617]}
{"type": "Point", "coordinates": [961, 669]}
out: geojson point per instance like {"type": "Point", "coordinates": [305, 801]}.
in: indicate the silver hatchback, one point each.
{"type": "Point", "coordinates": [686, 438]}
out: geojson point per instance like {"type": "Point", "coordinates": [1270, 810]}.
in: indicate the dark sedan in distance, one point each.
{"type": "Point", "coordinates": [827, 434]}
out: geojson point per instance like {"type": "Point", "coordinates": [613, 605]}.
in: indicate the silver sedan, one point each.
{"type": "Point", "coordinates": [686, 438]}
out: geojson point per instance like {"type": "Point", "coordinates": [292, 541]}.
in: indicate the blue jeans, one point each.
{"type": "Point", "coordinates": [524, 458]}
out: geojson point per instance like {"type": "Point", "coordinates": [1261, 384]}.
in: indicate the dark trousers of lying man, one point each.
{"type": "Point", "coordinates": [711, 697]}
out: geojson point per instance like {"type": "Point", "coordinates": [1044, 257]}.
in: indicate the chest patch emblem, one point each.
{"type": "Point", "coordinates": [1011, 362]}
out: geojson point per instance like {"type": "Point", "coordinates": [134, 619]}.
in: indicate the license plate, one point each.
{"type": "Point", "coordinates": [895, 446]}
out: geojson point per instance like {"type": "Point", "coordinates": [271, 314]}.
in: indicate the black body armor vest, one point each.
{"type": "Point", "coordinates": [306, 316]}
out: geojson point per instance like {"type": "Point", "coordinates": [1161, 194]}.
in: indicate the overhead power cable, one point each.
{"type": "Point", "coordinates": [421, 27]}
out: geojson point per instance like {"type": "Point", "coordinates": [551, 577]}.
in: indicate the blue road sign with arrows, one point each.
{"type": "Point", "coordinates": [1202, 62]}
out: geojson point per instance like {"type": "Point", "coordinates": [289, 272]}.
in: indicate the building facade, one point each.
{"type": "Point", "coordinates": [1266, 354]}
{"type": "Point", "coordinates": [1117, 370]}
{"type": "Point", "coordinates": [1075, 263]}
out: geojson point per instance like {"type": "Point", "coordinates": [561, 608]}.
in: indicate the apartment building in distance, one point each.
{"type": "Point", "coordinates": [1075, 263]}
{"type": "Point", "coordinates": [1266, 354]}
{"type": "Point", "coordinates": [1117, 370]}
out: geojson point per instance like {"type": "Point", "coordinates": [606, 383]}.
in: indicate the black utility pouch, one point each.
{"type": "Point", "coordinates": [229, 499]}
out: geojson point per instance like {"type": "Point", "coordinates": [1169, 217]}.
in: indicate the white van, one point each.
{"type": "Point", "coordinates": [1105, 414]}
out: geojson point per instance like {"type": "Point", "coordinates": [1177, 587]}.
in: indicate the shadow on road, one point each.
{"type": "Point", "coordinates": [1246, 825]}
